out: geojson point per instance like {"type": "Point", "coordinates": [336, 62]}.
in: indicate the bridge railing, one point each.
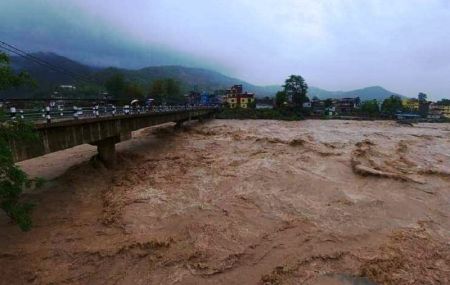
{"type": "Point", "coordinates": [51, 114]}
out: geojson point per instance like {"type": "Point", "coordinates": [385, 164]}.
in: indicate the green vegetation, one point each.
{"type": "Point", "coordinates": [285, 114]}
{"type": "Point", "coordinates": [296, 90]}
{"type": "Point", "coordinates": [12, 179]}
{"type": "Point", "coordinates": [281, 99]}
{"type": "Point", "coordinates": [7, 76]}
{"type": "Point", "coordinates": [166, 91]}
{"type": "Point", "coordinates": [369, 108]}
{"type": "Point", "coordinates": [116, 85]}
{"type": "Point", "coordinates": [392, 105]}
{"type": "Point", "coordinates": [443, 102]}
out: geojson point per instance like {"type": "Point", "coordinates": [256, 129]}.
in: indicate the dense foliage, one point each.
{"type": "Point", "coordinates": [163, 91]}
{"type": "Point", "coordinates": [296, 90]}
{"type": "Point", "coordinates": [281, 99]}
{"type": "Point", "coordinates": [7, 76]}
{"type": "Point", "coordinates": [12, 179]}
{"type": "Point", "coordinates": [443, 102]}
{"type": "Point", "coordinates": [166, 91]}
{"type": "Point", "coordinates": [369, 108]}
{"type": "Point", "coordinates": [392, 105]}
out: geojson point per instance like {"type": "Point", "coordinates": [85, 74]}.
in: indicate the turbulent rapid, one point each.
{"type": "Point", "coordinates": [242, 202]}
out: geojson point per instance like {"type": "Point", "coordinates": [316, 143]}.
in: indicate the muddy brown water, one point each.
{"type": "Point", "coordinates": [242, 202]}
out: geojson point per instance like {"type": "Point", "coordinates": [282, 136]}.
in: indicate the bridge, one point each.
{"type": "Point", "coordinates": [102, 130]}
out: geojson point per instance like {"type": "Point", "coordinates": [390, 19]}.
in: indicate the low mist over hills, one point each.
{"type": "Point", "coordinates": [368, 93]}
{"type": "Point", "coordinates": [191, 78]}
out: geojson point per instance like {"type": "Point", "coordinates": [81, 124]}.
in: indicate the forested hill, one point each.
{"type": "Point", "coordinates": [190, 78]}
{"type": "Point", "coordinates": [368, 93]}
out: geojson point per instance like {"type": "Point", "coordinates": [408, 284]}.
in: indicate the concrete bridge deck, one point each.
{"type": "Point", "coordinates": [104, 132]}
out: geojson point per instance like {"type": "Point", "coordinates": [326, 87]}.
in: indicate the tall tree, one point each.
{"type": "Point", "coordinates": [166, 91]}
{"type": "Point", "coordinates": [8, 78]}
{"type": "Point", "coordinates": [392, 105]}
{"type": "Point", "coordinates": [281, 99]}
{"type": "Point", "coordinates": [422, 97]}
{"type": "Point", "coordinates": [369, 108]}
{"type": "Point", "coordinates": [328, 103]}
{"type": "Point", "coordinates": [296, 90]}
{"type": "Point", "coordinates": [424, 105]}
{"type": "Point", "coordinates": [12, 178]}
{"type": "Point", "coordinates": [116, 86]}
{"type": "Point", "coordinates": [134, 91]}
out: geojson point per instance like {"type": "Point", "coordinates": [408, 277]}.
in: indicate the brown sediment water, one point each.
{"type": "Point", "coordinates": [242, 202]}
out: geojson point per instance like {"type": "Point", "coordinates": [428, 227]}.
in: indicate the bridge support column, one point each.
{"type": "Point", "coordinates": [107, 150]}
{"type": "Point", "coordinates": [179, 125]}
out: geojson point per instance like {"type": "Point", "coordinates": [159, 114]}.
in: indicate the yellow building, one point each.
{"type": "Point", "coordinates": [446, 111]}
{"type": "Point", "coordinates": [232, 102]}
{"type": "Point", "coordinates": [443, 110]}
{"type": "Point", "coordinates": [411, 104]}
{"type": "Point", "coordinates": [235, 98]}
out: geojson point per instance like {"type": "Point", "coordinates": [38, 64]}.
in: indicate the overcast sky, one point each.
{"type": "Point", "coordinates": [402, 45]}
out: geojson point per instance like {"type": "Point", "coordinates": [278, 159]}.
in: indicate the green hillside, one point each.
{"type": "Point", "coordinates": [190, 78]}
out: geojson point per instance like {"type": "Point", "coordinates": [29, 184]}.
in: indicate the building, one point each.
{"type": "Point", "coordinates": [347, 106]}
{"type": "Point", "coordinates": [437, 111]}
{"type": "Point", "coordinates": [317, 106]}
{"type": "Point", "coordinates": [236, 98]}
{"type": "Point", "coordinates": [443, 110]}
{"type": "Point", "coordinates": [411, 104]}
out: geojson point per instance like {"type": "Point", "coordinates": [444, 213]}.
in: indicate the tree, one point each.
{"type": "Point", "coordinates": [281, 99]}
{"type": "Point", "coordinates": [158, 92]}
{"type": "Point", "coordinates": [443, 102]}
{"type": "Point", "coordinates": [422, 97]}
{"type": "Point", "coordinates": [116, 86]}
{"type": "Point", "coordinates": [252, 104]}
{"type": "Point", "coordinates": [369, 108]}
{"type": "Point", "coordinates": [134, 91]}
{"type": "Point", "coordinates": [424, 105]}
{"type": "Point", "coordinates": [328, 103]}
{"type": "Point", "coordinates": [296, 90]}
{"type": "Point", "coordinates": [12, 179]}
{"type": "Point", "coordinates": [7, 76]}
{"type": "Point", "coordinates": [173, 88]}
{"type": "Point", "coordinates": [166, 91]}
{"type": "Point", "coordinates": [392, 105]}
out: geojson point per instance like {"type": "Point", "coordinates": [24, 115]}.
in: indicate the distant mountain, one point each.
{"type": "Point", "coordinates": [369, 93]}
{"type": "Point", "coordinates": [190, 78]}
{"type": "Point", "coordinates": [44, 74]}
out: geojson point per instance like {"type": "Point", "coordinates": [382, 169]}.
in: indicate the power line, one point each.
{"type": "Point", "coordinates": [23, 54]}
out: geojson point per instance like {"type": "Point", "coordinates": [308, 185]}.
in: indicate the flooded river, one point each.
{"type": "Point", "coordinates": [242, 202]}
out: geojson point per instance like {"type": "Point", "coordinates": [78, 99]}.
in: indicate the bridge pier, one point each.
{"type": "Point", "coordinates": [179, 125]}
{"type": "Point", "coordinates": [106, 149]}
